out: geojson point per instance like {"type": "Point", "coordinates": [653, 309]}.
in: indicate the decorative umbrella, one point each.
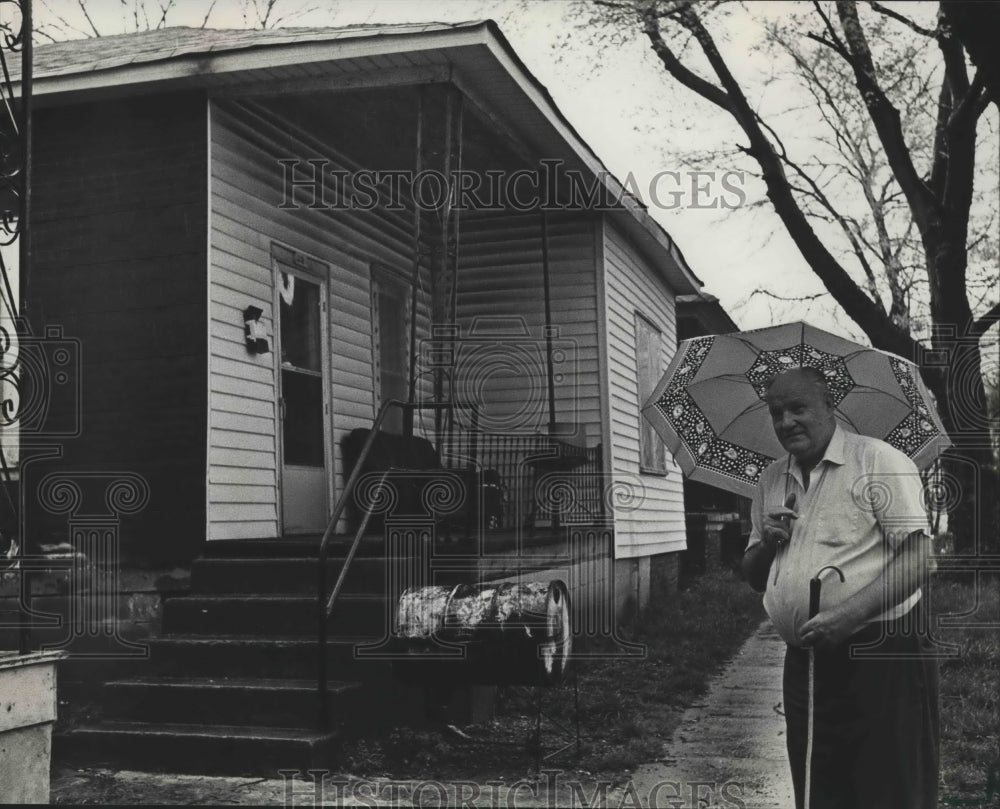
{"type": "Point", "coordinates": [710, 411]}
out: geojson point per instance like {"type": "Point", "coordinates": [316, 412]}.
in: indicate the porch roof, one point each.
{"type": "Point", "coordinates": [473, 55]}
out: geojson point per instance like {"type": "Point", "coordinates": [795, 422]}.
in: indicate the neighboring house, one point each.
{"type": "Point", "coordinates": [718, 521]}
{"type": "Point", "coordinates": [234, 321]}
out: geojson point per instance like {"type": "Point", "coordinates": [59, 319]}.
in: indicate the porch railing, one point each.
{"type": "Point", "coordinates": [325, 602]}
{"type": "Point", "coordinates": [541, 478]}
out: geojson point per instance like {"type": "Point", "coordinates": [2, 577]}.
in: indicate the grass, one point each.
{"type": "Point", "coordinates": [970, 685]}
{"type": "Point", "coordinates": [629, 706]}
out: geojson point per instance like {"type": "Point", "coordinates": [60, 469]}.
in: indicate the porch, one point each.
{"type": "Point", "coordinates": [443, 304]}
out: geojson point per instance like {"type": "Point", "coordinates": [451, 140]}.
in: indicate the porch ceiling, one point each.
{"type": "Point", "coordinates": [376, 128]}
{"type": "Point", "coordinates": [284, 62]}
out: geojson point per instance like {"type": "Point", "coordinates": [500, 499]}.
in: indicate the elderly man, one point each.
{"type": "Point", "coordinates": [853, 502]}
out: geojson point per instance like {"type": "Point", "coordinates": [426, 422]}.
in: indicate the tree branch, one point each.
{"type": "Point", "coordinates": [820, 196]}
{"type": "Point", "coordinates": [796, 298]}
{"type": "Point", "coordinates": [86, 16]}
{"type": "Point", "coordinates": [982, 324]}
{"type": "Point", "coordinates": [895, 15]}
{"type": "Point", "coordinates": [834, 41]}
{"type": "Point", "coordinates": [939, 160]}
{"type": "Point", "coordinates": [886, 119]}
{"type": "Point", "coordinates": [971, 106]}
{"type": "Point", "coordinates": [691, 80]}
{"type": "Point", "coordinates": [211, 8]}
{"type": "Point", "coordinates": [831, 44]}
{"type": "Point", "coordinates": [868, 314]}
{"type": "Point", "coordinates": [43, 32]}
{"type": "Point", "coordinates": [164, 10]}
{"type": "Point", "coordinates": [953, 53]}
{"type": "Point", "coordinates": [66, 25]}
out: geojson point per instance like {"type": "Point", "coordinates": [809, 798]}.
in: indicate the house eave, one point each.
{"type": "Point", "coordinates": [476, 56]}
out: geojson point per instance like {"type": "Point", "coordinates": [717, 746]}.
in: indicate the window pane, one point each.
{"type": "Point", "coordinates": [303, 424]}
{"type": "Point", "coordinates": [391, 343]}
{"type": "Point", "coordinates": [301, 342]}
{"type": "Point", "coordinates": [652, 455]}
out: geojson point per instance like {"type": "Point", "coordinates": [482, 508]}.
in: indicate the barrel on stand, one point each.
{"type": "Point", "coordinates": [494, 633]}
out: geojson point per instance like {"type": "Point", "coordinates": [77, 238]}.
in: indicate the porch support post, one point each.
{"type": "Point", "coordinates": [440, 156]}
{"type": "Point", "coordinates": [415, 278]}
{"type": "Point", "coordinates": [547, 287]}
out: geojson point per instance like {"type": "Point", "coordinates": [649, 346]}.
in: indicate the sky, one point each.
{"type": "Point", "coordinates": [611, 87]}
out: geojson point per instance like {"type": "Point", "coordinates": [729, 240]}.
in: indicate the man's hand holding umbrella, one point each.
{"type": "Point", "coordinates": [776, 532]}
{"type": "Point", "coordinates": [777, 529]}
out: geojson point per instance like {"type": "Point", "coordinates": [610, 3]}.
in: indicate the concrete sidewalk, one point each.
{"type": "Point", "coordinates": [730, 747]}
{"type": "Point", "coordinates": [728, 751]}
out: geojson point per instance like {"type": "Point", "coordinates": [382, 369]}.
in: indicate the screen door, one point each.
{"type": "Point", "coordinates": [302, 399]}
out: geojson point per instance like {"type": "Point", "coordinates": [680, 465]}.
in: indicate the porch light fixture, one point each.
{"type": "Point", "coordinates": [253, 330]}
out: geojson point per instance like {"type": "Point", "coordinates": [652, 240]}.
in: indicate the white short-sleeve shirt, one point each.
{"type": "Point", "coordinates": [864, 498]}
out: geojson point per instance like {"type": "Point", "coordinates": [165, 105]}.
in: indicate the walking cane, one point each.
{"type": "Point", "coordinates": [815, 583]}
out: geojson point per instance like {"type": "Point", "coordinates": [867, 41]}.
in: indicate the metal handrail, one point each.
{"type": "Point", "coordinates": [324, 603]}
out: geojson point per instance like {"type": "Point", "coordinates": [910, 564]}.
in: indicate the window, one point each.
{"type": "Point", "coordinates": [300, 314]}
{"type": "Point", "coordinates": [652, 454]}
{"type": "Point", "coordinates": [390, 341]}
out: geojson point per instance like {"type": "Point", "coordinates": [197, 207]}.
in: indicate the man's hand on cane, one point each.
{"type": "Point", "coordinates": [830, 627]}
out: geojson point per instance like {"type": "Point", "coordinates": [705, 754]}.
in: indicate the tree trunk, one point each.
{"type": "Point", "coordinates": [969, 489]}
{"type": "Point", "coordinates": [977, 25]}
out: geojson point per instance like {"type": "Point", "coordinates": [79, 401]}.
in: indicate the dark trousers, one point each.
{"type": "Point", "coordinates": [876, 725]}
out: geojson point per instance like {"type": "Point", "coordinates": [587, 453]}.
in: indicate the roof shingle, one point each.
{"type": "Point", "coordinates": [102, 53]}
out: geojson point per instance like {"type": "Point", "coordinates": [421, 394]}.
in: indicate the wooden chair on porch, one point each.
{"type": "Point", "coordinates": [415, 460]}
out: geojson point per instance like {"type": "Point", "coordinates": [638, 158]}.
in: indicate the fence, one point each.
{"type": "Point", "coordinates": [540, 479]}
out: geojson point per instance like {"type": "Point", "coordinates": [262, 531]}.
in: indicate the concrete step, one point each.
{"type": "Point", "coordinates": [301, 546]}
{"type": "Point", "coordinates": [229, 701]}
{"type": "Point", "coordinates": [355, 615]}
{"type": "Point", "coordinates": [292, 657]}
{"type": "Point", "coordinates": [298, 575]}
{"type": "Point", "coordinates": [196, 748]}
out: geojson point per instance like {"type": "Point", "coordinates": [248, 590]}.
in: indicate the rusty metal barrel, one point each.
{"type": "Point", "coordinates": [489, 633]}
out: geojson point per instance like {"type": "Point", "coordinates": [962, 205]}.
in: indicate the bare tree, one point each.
{"type": "Point", "coordinates": [265, 13]}
{"type": "Point", "coordinates": [976, 24]}
{"type": "Point", "coordinates": [58, 21]}
{"type": "Point", "coordinates": [882, 209]}
{"type": "Point", "coordinates": [61, 20]}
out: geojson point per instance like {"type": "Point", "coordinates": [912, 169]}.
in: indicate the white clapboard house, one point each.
{"type": "Point", "coordinates": [244, 241]}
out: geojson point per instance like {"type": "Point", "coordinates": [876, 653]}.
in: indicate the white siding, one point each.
{"type": "Point", "coordinates": [656, 524]}
{"type": "Point", "coordinates": [246, 191]}
{"type": "Point", "coordinates": [499, 274]}
{"type": "Point", "coordinates": [500, 277]}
